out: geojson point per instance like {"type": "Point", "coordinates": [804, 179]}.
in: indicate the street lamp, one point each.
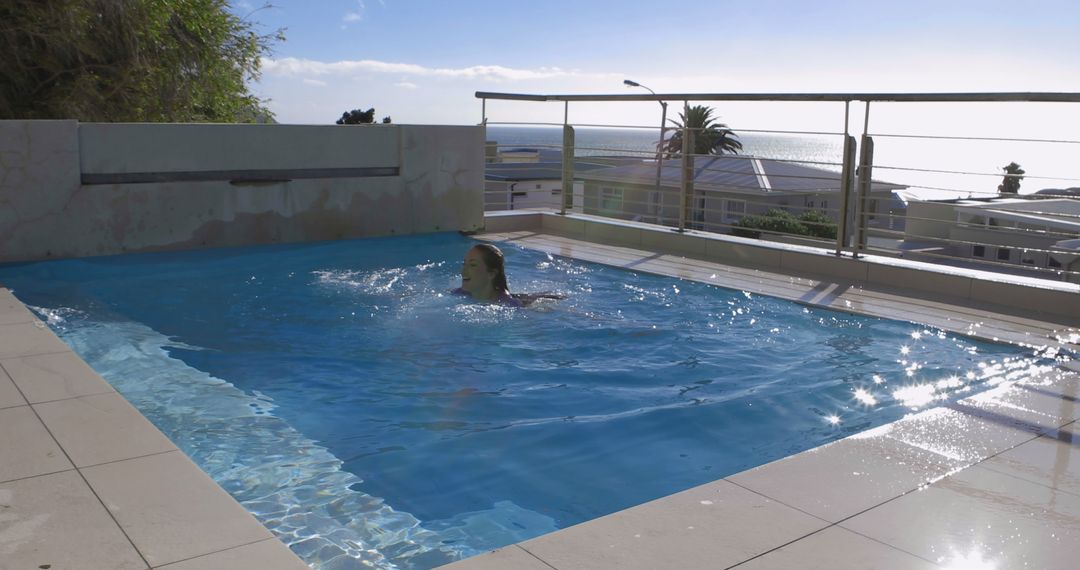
{"type": "Point", "coordinates": [659, 146]}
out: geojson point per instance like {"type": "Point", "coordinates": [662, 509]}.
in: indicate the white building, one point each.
{"type": "Point", "coordinates": [1019, 231]}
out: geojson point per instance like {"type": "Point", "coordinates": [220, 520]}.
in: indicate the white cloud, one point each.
{"type": "Point", "coordinates": [297, 66]}
{"type": "Point", "coordinates": [314, 82]}
{"type": "Point", "coordinates": [356, 16]}
{"type": "Point", "coordinates": [406, 85]}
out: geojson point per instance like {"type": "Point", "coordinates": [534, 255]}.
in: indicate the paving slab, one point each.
{"type": "Point", "coordinates": [835, 548]}
{"type": "Point", "coordinates": [960, 435]}
{"type": "Point", "coordinates": [12, 310]}
{"type": "Point", "coordinates": [26, 448]}
{"type": "Point", "coordinates": [9, 394]}
{"type": "Point", "coordinates": [102, 428]}
{"type": "Point", "coordinates": [978, 518]}
{"type": "Point", "coordinates": [511, 557]}
{"type": "Point", "coordinates": [711, 526]}
{"type": "Point", "coordinates": [55, 521]}
{"type": "Point", "coordinates": [170, 509]}
{"type": "Point", "coordinates": [1050, 460]}
{"type": "Point", "coordinates": [27, 339]}
{"type": "Point", "coordinates": [844, 478]}
{"type": "Point", "coordinates": [56, 376]}
{"type": "Point", "coordinates": [1042, 404]}
{"type": "Point", "coordinates": [268, 554]}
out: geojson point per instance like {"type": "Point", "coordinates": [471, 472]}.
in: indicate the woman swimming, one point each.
{"type": "Point", "coordinates": [483, 277]}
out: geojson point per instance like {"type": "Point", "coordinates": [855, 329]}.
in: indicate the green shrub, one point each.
{"type": "Point", "coordinates": [818, 224]}
{"type": "Point", "coordinates": [810, 223]}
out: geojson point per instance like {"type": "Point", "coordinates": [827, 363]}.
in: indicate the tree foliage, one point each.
{"type": "Point", "coordinates": [129, 60]}
{"type": "Point", "coordinates": [358, 117]}
{"type": "Point", "coordinates": [709, 137]}
{"type": "Point", "coordinates": [1011, 183]}
{"type": "Point", "coordinates": [810, 223]}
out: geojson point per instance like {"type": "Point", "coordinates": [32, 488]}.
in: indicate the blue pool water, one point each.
{"type": "Point", "coordinates": [367, 417]}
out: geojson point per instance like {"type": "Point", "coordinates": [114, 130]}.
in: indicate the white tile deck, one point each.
{"type": "Point", "coordinates": [54, 377]}
{"type": "Point", "coordinates": [56, 521]}
{"type": "Point", "coordinates": [980, 514]}
{"type": "Point", "coordinates": [101, 429]}
{"type": "Point", "coordinates": [85, 482]}
{"type": "Point", "coordinates": [836, 549]}
{"type": "Point", "coordinates": [170, 509]}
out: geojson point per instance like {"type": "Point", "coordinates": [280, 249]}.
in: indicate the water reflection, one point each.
{"type": "Point", "coordinates": [916, 396]}
{"type": "Point", "coordinates": [865, 397]}
{"type": "Point", "coordinates": [971, 561]}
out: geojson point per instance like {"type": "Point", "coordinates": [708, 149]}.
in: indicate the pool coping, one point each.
{"type": "Point", "coordinates": [97, 468]}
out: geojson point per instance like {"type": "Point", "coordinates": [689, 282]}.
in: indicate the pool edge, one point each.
{"type": "Point", "coordinates": [87, 457]}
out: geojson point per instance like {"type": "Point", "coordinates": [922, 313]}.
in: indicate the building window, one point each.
{"type": "Point", "coordinates": [809, 203]}
{"type": "Point", "coordinates": [1027, 258]}
{"type": "Point", "coordinates": [1004, 253]}
{"type": "Point", "coordinates": [655, 204]}
{"type": "Point", "coordinates": [734, 210]}
{"type": "Point", "coordinates": [699, 213]}
{"type": "Point", "coordinates": [978, 251]}
{"type": "Point", "coordinates": [824, 205]}
{"type": "Point", "coordinates": [1051, 262]}
{"type": "Point", "coordinates": [611, 201]}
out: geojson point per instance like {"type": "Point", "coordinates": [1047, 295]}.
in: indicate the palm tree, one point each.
{"type": "Point", "coordinates": [1011, 183]}
{"type": "Point", "coordinates": [709, 137]}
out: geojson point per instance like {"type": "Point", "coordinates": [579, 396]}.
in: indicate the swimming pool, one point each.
{"type": "Point", "coordinates": [362, 414]}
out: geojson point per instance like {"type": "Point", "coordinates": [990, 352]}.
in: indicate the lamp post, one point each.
{"type": "Point", "coordinates": [659, 146]}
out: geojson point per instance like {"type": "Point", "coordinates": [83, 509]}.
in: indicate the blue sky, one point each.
{"type": "Point", "coordinates": [420, 61]}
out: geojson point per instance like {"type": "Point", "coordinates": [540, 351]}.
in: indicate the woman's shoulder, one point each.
{"type": "Point", "coordinates": [510, 300]}
{"type": "Point", "coordinates": [526, 299]}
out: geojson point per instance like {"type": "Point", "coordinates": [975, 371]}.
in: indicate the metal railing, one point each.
{"type": "Point", "coordinates": [838, 200]}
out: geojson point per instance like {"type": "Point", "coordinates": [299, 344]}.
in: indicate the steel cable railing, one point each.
{"type": "Point", "coordinates": [654, 183]}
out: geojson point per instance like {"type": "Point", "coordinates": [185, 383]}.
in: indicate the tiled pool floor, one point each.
{"type": "Point", "coordinates": [86, 482]}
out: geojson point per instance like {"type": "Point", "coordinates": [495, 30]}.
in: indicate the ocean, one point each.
{"type": "Point", "coordinates": [932, 168]}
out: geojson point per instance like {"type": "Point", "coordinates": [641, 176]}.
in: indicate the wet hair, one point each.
{"type": "Point", "coordinates": [494, 260]}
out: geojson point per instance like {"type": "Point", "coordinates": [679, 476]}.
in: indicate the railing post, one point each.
{"type": "Point", "coordinates": [686, 192]}
{"type": "Point", "coordinates": [866, 169]}
{"type": "Point", "coordinates": [847, 183]}
{"type": "Point", "coordinates": [567, 169]}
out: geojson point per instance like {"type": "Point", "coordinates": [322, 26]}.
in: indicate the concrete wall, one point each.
{"type": "Point", "coordinates": [929, 220]}
{"type": "Point", "coordinates": [1011, 294]}
{"type": "Point", "coordinates": [69, 189]}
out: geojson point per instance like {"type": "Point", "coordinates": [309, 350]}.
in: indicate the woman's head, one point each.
{"type": "Point", "coordinates": [483, 272]}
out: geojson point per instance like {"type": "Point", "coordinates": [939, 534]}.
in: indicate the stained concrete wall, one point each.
{"type": "Point", "coordinates": [70, 189]}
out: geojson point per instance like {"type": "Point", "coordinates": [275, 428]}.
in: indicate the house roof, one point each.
{"type": "Point", "coordinates": [734, 173]}
{"type": "Point", "coordinates": [1058, 213]}
{"type": "Point", "coordinates": [548, 170]}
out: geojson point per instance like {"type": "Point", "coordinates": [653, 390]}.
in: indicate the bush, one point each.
{"type": "Point", "coordinates": [810, 223]}
{"type": "Point", "coordinates": [818, 224]}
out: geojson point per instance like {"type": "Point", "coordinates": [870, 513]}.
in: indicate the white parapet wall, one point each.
{"type": "Point", "coordinates": [70, 189]}
{"type": "Point", "coordinates": [1054, 301]}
